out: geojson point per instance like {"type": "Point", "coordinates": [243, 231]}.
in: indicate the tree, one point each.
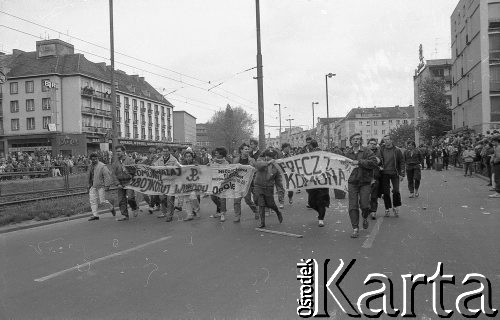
{"type": "Point", "coordinates": [434, 103]}
{"type": "Point", "coordinates": [402, 134]}
{"type": "Point", "coordinates": [230, 127]}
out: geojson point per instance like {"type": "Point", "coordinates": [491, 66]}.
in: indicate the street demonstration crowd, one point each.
{"type": "Point", "coordinates": [378, 169]}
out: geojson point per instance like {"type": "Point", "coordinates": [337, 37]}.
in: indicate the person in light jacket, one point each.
{"type": "Point", "coordinates": [99, 179]}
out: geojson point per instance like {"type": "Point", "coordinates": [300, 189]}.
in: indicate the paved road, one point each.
{"type": "Point", "coordinates": [149, 269]}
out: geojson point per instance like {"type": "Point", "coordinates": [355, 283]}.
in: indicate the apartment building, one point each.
{"type": "Point", "coordinates": [475, 72]}
{"type": "Point", "coordinates": [58, 100]}
{"type": "Point", "coordinates": [185, 127]}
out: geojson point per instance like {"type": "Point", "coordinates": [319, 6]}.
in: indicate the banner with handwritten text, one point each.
{"type": "Point", "coordinates": [318, 169]}
{"type": "Point", "coordinates": [225, 181]}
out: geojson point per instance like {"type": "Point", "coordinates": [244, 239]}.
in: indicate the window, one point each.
{"type": "Point", "coordinates": [135, 116]}
{"type": "Point", "coordinates": [156, 108]}
{"type": "Point", "coordinates": [390, 121]}
{"type": "Point", "coordinates": [14, 124]}
{"type": "Point", "coordinates": [143, 133]}
{"type": "Point", "coordinates": [383, 122]}
{"type": "Point", "coordinates": [405, 121]}
{"type": "Point", "coordinates": [375, 122]}
{"type": "Point", "coordinates": [30, 105]}
{"type": "Point", "coordinates": [150, 133]}
{"type": "Point", "coordinates": [45, 103]}
{"type": "Point", "coordinates": [126, 102]}
{"type": "Point", "coordinates": [44, 87]}
{"type": "Point", "coordinates": [46, 120]}
{"type": "Point", "coordinates": [118, 99]}
{"type": "Point", "coordinates": [29, 86]}
{"type": "Point", "coordinates": [162, 110]}
{"type": "Point", "coordinates": [383, 131]}
{"type": "Point", "coordinates": [141, 103]}
{"type": "Point", "coordinates": [361, 123]}
{"type": "Point", "coordinates": [134, 103]}
{"type": "Point", "coordinates": [14, 106]}
{"type": "Point", "coordinates": [375, 131]}
{"type": "Point", "coordinates": [397, 122]}
{"type": "Point", "coordinates": [13, 88]}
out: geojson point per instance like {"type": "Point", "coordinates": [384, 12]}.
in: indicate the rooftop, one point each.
{"type": "Point", "coordinates": [381, 113]}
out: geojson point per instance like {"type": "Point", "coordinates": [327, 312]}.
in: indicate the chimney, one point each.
{"type": "Point", "coordinates": [16, 52]}
{"type": "Point", "coordinates": [53, 47]}
{"type": "Point", "coordinates": [141, 79]}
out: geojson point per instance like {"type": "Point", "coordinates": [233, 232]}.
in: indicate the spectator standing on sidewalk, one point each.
{"type": "Point", "coordinates": [468, 155]}
{"type": "Point", "coordinates": [495, 164]}
{"type": "Point", "coordinates": [392, 173]}
{"type": "Point", "coordinates": [413, 159]}
{"type": "Point", "coordinates": [124, 175]}
{"type": "Point", "coordinates": [99, 179]}
{"type": "Point", "coordinates": [359, 183]}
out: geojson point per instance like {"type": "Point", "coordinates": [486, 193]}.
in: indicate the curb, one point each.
{"type": "Point", "coordinates": [33, 224]}
{"type": "Point", "coordinates": [477, 175]}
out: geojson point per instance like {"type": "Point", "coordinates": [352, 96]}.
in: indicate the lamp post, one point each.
{"type": "Point", "coordinates": [313, 112]}
{"type": "Point", "coordinates": [290, 129]}
{"type": "Point", "coordinates": [113, 88]}
{"type": "Point", "coordinates": [329, 75]}
{"type": "Point", "coordinates": [260, 84]}
{"type": "Point", "coordinates": [279, 108]}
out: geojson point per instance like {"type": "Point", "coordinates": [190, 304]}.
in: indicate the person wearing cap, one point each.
{"type": "Point", "coordinates": [495, 164]}
{"type": "Point", "coordinates": [359, 183]}
{"type": "Point", "coordinates": [99, 179]}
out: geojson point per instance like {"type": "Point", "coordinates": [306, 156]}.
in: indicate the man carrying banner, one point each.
{"type": "Point", "coordinates": [167, 202]}
{"type": "Point", "coordinates": [124, 175]}
{"type": "Point", "coordinates": [319, 198]}
{"type": "Point", "coordinates": [193, 204]}
{"type": "Point", "coordinates": [219, 159]}
{"type": "Point", "coordinates": [264, 182]}
{"type": "Point", "coordinates": [99, 180]}
{"type": "Point", "coordinates": [153, 201]}
{"type": "Point", "coordinates": [359, 183]}
{"type": "Point", "coordinates": [245, 159]}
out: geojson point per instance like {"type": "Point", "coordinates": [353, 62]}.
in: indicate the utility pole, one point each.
{"type": "Point", "coordinates": [329, 75]}
{"type": "Point", "coordinates": [113, 89]}
{"type": "Point", "coordinates": [314, 119]}
{"type": "Point", "coordinates": [279, 108]}
{"type": "Point", "coordinates": [290, 130]}
{"type": "Point", "coordinates": [260, 84]}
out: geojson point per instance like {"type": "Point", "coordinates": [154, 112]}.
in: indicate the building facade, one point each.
{"type": "Point", "coordinates": [437, 69]}
{"type": "Point", "coordinates": [202, 138]}
{"type": "Point", "coordinates": [185, 128]}
{"type": "Point", "coordinates": [372, 122]}
{"type": "Point", "coordinates": [475, 72]}
{"type": "Point", "coordinates": [57, 100]}
{"type": "Point", "coordinates": [322, 127]}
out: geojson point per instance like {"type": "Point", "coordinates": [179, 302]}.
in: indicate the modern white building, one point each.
{"type": "Point", "coordinates": [475, 72]}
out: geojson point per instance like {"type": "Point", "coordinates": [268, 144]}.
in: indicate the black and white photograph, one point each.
{"type": "Point", "coordinates": [249, 159]}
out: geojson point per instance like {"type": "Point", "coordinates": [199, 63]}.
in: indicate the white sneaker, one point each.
{"type": "Point", "coordinates": [495, 195]}
{"type": "Point", "coordinates": [411, 195]}
{"type": "Point", "coordinates": [321, 223]}
{"type": "Point", "coordinates": [281, 206]}
{"type": "Point", "coordinates": [222, 217]}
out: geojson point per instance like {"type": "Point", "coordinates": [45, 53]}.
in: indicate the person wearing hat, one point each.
{"type": "Point", "coordinates": [99, 179]}
{"type": "Point", "coordinates": [495, 164]}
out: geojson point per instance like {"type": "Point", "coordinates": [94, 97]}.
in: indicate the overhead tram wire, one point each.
{"type": "Point", "coordinates": [132, 57]}
{"type": "Point", "coordinates": [134, 67]}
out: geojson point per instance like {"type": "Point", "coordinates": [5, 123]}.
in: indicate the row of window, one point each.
{"type": "Point", "coordinates": [382, 122]}
{"type": "Point", "coordinates": [30, 123]}
{"type": "Point", "coordinates": [29, 86]}
{"type": "Point", "coordinates": [30, 105]}
{"type": "Point", "coordinates": [126, 101]}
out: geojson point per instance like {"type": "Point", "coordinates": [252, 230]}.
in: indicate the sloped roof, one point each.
{"type": "Point", "coordinates": [329, 120]}
{"type": "Point", "coordinates": [26, 64]}
{"type": "Point", "coordinates": [383, 113]}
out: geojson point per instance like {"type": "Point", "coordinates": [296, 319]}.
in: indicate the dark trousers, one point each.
{"type": "Point", "coordinates": [496, 171]}
{"type": "Point", "coordinates": [359, 197]}
{"type": "Point", "coordinates": [220, 203]}
{"type": "Point", "coordinates": [374, 194]}
{"type": "Point", "coordinates": [413, 175]}
{"type": "Point", "coordinates": [387, 179]}
{"type": "Point", "coordinates": [152, 201]}
{"type": "Point", "coordinates": [446, 162]}
{"type": "Point", "coordinates": [126, 196]}
{"type": "Point", "coordinates": [428, 162]}
{"type": "Point", "coordinates": [468, 167]}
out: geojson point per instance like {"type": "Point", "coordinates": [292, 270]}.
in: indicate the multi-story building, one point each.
{"type": "Point", "coordinates": [202, 138]}
{"type": "Point", "coordinates": [475, 72]}
{"type": "Point", "coordinates": [185, 128]}
{"type": "Point", "coordinates": [372, 122]}
{"type": "Point", "coordinates": [322, 127]}
{"type": "Point", "coordinates": [60, 101]}
{"type": "Point", "coordinates": [437, 68]}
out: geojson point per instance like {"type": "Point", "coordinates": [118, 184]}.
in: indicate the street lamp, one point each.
{"type": "Point", "coordinates": [313, 112]}
{"type": "Point", "coordinates": [279, 107]}
{"type": "Point", "coordinates": [329, 75]}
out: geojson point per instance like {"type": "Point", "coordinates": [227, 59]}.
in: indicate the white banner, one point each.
{"type": "Point", "coordinates": [318, 169]}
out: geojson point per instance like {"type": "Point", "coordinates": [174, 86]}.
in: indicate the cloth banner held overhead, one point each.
{"type": "Point", "coordinates": [225, 181]}
{"type": "Point", "coordinates": [317, 169]}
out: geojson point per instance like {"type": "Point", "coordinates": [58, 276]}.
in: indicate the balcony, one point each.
{"type": "Point", "coordinates": [495, 86]}
{"type": "Point", "coordinates": [135, 108]}
{"type": "Point", "coordinates": [105, 113]}
{"type": "Point", "coordinates": [143, 110]}
{"type": "Point", "coordinates": [135, 122]}
{"type": "Point", "coordinates": [90, 92]}
{"type": "Point", "coordinates": [127, 120]}
{"type": "Point", "coordinates": [89, 110]}
{"type": "Point", "coordinates": [150, 111]}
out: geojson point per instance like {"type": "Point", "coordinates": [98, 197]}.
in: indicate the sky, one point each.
{"type": "Point", "coordinates": [202, 54]}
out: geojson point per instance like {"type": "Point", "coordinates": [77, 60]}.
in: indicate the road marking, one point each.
{"type": "Point", "coordinates": [280, 233]}
{"type": "Point", "coordinates": [371, 237]}
{"type": "Point", "coordinates": [53, 275]}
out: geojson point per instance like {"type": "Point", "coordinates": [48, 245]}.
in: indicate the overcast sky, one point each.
{"type": "Point", "coordinates": [372, 46]}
